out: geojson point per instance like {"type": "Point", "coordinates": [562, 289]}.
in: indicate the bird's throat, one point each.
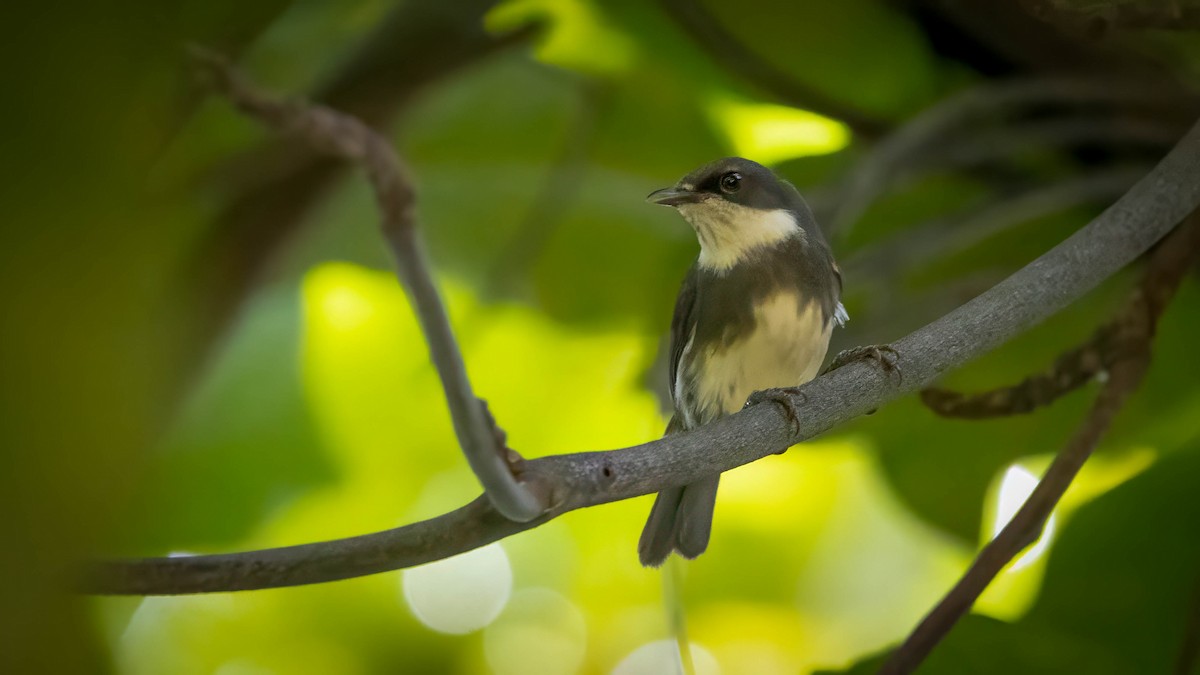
{"type": "Point", "coordinates": [729, 233]}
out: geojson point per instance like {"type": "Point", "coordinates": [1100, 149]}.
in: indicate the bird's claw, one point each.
{"type": "Point", "coordinates": [781, 397]}
{"type": "Point", "coordinates": [887, 357]}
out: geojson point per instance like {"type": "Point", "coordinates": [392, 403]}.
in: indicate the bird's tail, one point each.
{"type": "Point", "coordinates": [681, 520]}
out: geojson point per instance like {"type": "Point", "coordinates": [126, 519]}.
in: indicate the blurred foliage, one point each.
{"type": "Point", "coordinates": [1117, 594]}
{"type": "Point", "coordinates": [316, 414]}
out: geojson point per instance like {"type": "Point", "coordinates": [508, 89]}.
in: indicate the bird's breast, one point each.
{"type": "Point", "coordinates": [784, 348]}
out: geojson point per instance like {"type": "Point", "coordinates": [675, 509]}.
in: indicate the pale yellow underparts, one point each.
{"type": "Point", "coordinates": [785, 349]}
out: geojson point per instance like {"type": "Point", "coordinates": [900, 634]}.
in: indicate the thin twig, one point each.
{"type": "Point", "coordinates": [928, 131]}
{"type": "Point", "coordinates": [938, 240]}
{"type": "Point", "coordinates": [728, 52]}
{"type": "Point", "coordinates": [273, 186]}
{"type": "Point", "coordinates": [1136, 326]}
{"type": "Point", "coordinates": [1071, 370]}
{"type": "Point", "coordinates": [1095, 19]}
{"type": "Point", "coordinates": [1115, 238]}
{"type": "Point", "coordinates": [346, 137]}
{"type": "Point", "coordinates": [1022, 530]}
{"type": "Point", "coordinates": [1070, 131]}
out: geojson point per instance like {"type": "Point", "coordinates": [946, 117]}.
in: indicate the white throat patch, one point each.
{"type": "Point", "coordinates": [728, 232]}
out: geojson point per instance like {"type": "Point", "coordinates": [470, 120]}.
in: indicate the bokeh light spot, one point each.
{"type": "Point", "coordinates": [242, 667]}
{"type": "Point", "coordinates": [576, 34]}
{"type": "Point", "coordinates": [869, 552]}
{"type": "Point", "coordinates": [662, 656]}
{"type": "Point", "coordinates": [341, 304]}
{"type": "Point", "coordinates": [769, 133]}
{"type": "Point", "coordinates": [1016, 486]}
{"type": "Point", "coordinates": [460, 594]}
{"type": "Point", "coordinates": [1013, 592]}
{"type": "Point", "coordinates": [156, 639]}
{"type": "Point", "coordinates": [540, 632]}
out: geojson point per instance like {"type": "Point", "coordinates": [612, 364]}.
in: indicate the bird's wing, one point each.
{"type": "Point", "coordinates": [682, 324]}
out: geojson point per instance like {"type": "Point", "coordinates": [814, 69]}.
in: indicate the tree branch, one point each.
{"type": "Point", "coordinates": [1071, 370]}
{"type": "Point", "coordinates": [1115, 238]}
{"type": "Point", "coordinates": [916, 246]}
{"type": "Point", "coordinates": [1135, 326]}
{"type": "Point", "coordinates": [276, 184]}
{"type": "Point", "coordinates": [346, 137]}
{"type": "Point", "coordinates": [1023, 529]}
{"type": "Point", "coordinates": [928, 131]}
{"type": "Point", "coordinates": [1095, 19]}
{"type": "Point", "coordinates": [1063, 132]}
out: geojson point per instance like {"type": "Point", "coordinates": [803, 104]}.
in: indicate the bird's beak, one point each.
{"type": "Point", "coordinates": [673, 196]}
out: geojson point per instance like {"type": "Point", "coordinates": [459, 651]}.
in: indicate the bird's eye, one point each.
{"type": "Point", "coordinates": [730, 182]}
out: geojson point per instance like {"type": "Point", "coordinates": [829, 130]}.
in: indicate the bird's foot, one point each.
{"type": "Point", "coordinates": [885, 355]}
{"type": "Point", "coordinates": [781, 397]}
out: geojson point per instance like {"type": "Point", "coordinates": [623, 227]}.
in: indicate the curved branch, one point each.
{"type": "Point", "coordinates": [1067, 132]}
{"type": "Point", "coordinates": [1070, 371]}
{"type": "Point", "coordinates": [346, 137]}
{"type": "Point", "coordinates": [277, 184]}
{"type": "Point", "coordinates": [943, 238]}
{"type": "Point", "coordinates": [1119, 235]}
{"type": "Point", "coordinates": [1097, 19]}
{"type": "Point", "coordinates": [875, 172]}
{"type": "Point", "coordinates": [1134, 330]}
{"type": "Point", "coordinates": [1025, 526]}
{"type": "Point", "coordinates": [1075, 367]}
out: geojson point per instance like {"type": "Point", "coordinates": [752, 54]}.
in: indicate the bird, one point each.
{"type": "Point", "coordinates": [753, 319]}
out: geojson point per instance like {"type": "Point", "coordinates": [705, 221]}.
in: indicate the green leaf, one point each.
{"type": "Point", "coordinates": [1117, 593]}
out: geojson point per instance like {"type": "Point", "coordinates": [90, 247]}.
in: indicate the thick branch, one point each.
{"type": "Point", "coordinates": [1115, 238]}
{"type": "Point", "coordinates": [1133, 331]}
{"type": "Point", "coordinates": [1073, 368]}
{"type": "Point", "coordinates": [348, 138]}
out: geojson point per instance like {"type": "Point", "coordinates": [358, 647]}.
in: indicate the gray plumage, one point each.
{"type": "Point", "coordinates": [754, 312]}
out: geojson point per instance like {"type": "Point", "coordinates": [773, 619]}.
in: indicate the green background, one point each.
{"type": "Point", "coordinates": [179, 376]}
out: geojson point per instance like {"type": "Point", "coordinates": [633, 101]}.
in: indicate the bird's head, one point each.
{"type": "Point", "coordinates": [737, 207]}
